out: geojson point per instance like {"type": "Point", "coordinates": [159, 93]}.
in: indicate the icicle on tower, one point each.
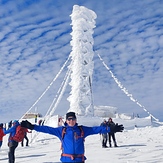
{"type": "Point", "coordinates": [83, 22]}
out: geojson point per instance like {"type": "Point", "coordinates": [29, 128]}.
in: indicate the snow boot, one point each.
{"type": "Point", "coordinates": [115, 144]}
{"type": "Point", "coordinates": [104, 146]}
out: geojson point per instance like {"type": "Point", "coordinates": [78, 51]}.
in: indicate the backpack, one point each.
{"type": "Point", "coordinates": [20, 134]}
{"type": "Point", "coordinates": [64, 132]}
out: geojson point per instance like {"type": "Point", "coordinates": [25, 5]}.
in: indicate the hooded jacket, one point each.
{"type": "Point", "coordinates": [73, 142]}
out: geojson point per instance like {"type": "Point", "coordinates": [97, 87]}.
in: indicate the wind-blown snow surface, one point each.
{"type": "Point", "coordinates": [136, 145]}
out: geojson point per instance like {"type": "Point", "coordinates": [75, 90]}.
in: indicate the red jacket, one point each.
{"type": "Point", "coordinates": [27, 131]}
{"type": "Point", "coordinates": [1, 134]}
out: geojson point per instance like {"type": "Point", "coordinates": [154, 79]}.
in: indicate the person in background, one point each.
{"type": "Point", "coordinates": [43, 122]}
{"type": "Point", "coordinates": [11, 143]}
{"type": "Point", "coordinates": [26, 138]}
{"type": "Point", "coordinates": [10, 124]}
{"type": "Point", "coordinates": [60, 121]}
{"type": "Point", "coordinates": [36, 118]}
{"type": "Point", "coordinates": [104, 135]}
{"type": "Point", "coordinates": [73, 139]}
{"type": "Point", "coordinates": [1, 134]}
{"type": "Point", "coordinates": [112, 133]}
{"type": "Point", "coordinates": [39, 122]}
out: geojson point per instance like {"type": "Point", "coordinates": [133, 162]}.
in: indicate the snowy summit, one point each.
{"type": "Point", "coordinates": [136, 144]}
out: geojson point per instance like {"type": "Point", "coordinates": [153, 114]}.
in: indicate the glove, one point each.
{"type": "Point", "coordinates": [27, 124]}
{"type": "Point", "coordinates": [116, 128]}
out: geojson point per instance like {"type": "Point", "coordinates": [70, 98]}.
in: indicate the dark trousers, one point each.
{"type": "Point", "coordinates": [27, 140]}
{"type": "Point", "coordinates": [0, 144]}
{"type": "Point", "coordinates": [11, 154]}
{"type": "Point", "coordinates": [77, 162]}
{"type": "Point", "coordinates": [112, 135]}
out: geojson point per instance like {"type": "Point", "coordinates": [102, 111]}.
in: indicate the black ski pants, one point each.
{"type": "Point", "coordinates": [111, 135]}
{"type": "Point", "coordinates": [11, 154]}
{"type": "Point", "coordinates": [27, 140]}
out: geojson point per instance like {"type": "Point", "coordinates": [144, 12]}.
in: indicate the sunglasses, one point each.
{"type": "Point", "coordinates": [73, 119]}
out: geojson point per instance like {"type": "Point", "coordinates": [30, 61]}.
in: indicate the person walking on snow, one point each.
{"type": "Point", "coordinates": [11, 143]}
{"type": "Point", "coordinates": [112, 133]}
{"type": "Point", "coordinates": [104, 135]}
{"type": "Point", "coordinates": [73, 140]}
{"type": "Point", "coordinates": [1, 134]}
{"type": "Point", "coordinates": [26, 138]}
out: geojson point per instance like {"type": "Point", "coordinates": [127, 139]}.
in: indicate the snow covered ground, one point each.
{"type": "Point", "coordinates": [136, 145]}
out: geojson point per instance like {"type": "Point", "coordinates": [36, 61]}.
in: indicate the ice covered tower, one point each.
{"type": "Point", "coordinates": [83, 22]}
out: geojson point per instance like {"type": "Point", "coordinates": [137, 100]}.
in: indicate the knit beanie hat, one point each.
{"type": "Point", "coordinates": [70, 114]}
{"type": "Point", "coordinates": [15, 122]}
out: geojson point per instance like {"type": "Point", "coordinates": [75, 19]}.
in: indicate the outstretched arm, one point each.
{"type": "Point", "coordinates": [12, 129]}
{"type": "Point", "coordinates": [101, 129]}
{"type": "Point", "coordinates": [95, 130]}
{"type": "Point", "coordinates": [45, 129]}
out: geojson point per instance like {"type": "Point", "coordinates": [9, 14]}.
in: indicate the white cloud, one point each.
{"type": "Point", "coordinates": [35, 42]}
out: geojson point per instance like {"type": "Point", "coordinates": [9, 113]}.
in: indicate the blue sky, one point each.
{"type": "Point", "coordinates": [35, 43]}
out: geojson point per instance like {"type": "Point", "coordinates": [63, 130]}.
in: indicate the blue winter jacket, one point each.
{"type": "Point", "coordinates": [73, 142]}
{"type": "Point", "coordinates": [11, 131]}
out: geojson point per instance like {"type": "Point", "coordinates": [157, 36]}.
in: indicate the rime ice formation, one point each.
{"type": "Point", "coordinates": [83, 22]}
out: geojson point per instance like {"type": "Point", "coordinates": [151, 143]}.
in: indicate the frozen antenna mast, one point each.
{"type": "Point", "coordinates": [83, 22]}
